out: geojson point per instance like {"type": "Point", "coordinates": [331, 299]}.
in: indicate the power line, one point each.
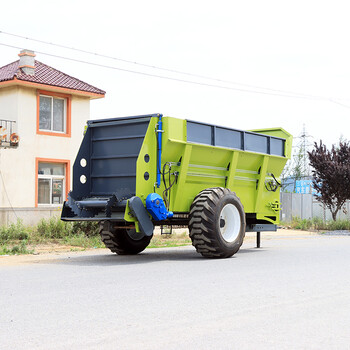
{"type": "Point", "coordinates": [159, 68]}
{"type": "Point", "coordinates": [338, 103]}
{"type": "Point", "coordinates": [283, 94]}
{"type": "Point", "coordinates": [159, 76]}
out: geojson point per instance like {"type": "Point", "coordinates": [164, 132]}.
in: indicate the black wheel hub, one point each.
{"type": "Point", "coordinates": [222, 223]}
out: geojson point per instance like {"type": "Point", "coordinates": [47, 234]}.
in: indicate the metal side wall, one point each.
{"type": "Point", "coordinates": [202, 163]}
{"type": "Point", "coordinates": [110, 150]}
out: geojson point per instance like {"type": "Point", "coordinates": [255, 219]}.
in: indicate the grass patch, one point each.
{"type": "Point", "coordinates": [169, 240]}
{"type": "Point", "coordinates": [17, 249]}
{"type": "Point", "coordinates": [15, 237]}
{"type": "Point", "coordinates": [81, 240]}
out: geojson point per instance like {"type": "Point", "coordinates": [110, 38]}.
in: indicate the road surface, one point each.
{"type": "Point", "coordinates": [293, 293]}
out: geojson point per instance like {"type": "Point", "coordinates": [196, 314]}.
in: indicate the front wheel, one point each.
{"type": "Point", "coordinates": [123, 241]}
{"type": "Point", "coordinates": [217, 223]}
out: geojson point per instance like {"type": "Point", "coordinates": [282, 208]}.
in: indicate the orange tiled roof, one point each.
{"type": "Point", "coordinates": [46, 75]}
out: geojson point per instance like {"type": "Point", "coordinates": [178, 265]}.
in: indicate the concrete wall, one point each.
{"type": "Point", "coordinates": [305, 206]}
{"type": "Point", "coordinates": [28, 216]}
{"type": "Point", "coordinates": [17, 183]}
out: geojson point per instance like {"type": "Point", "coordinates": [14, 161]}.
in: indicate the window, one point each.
{"type": "Point", "coordinates": [51, 183]}
{"type": "Point", "coordinates": [53, 113]}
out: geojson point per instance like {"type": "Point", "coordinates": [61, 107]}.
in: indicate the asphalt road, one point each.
{"type": "Point", "coordinates": [292, 293]}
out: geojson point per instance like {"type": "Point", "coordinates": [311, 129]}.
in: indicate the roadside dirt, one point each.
{"type": "Point", "coordinates": [282, 233]}
{"type": "Point", "coordinates": [53, 248]}
{"type": "Point", "coordinates": [45, 256]}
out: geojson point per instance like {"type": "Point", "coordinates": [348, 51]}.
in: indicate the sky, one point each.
{"type": "Point", "coordinates": [295, 46]}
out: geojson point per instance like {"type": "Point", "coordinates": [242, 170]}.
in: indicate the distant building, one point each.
{"type": "Point", "coordinates": [303, 185]}
{"type": "Point", "coordinates": [42, 116]}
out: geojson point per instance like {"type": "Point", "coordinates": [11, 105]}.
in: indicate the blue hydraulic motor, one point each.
{"type": "Point", "coordinates": [156, 207]}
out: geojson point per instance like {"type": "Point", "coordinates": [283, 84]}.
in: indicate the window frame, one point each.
{"type": "Point", "coordinates": [66, 180]}
{"type": "Point", "coordinates": [67, 117]}
{"type": "Point", "coordinates": [52, 98]}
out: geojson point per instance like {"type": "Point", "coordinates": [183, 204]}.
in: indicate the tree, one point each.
{"type": "Point", "coordinates": [331, 174]}
{"type": "Point", "coordinates": [299, 169]}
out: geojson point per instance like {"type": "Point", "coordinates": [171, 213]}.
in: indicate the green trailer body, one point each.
{"type": "Point", "coordinates": [124, 161]}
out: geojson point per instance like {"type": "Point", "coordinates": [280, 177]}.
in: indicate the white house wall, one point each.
{"type": "Point", "coordinates": [18, 165]}
{"type": "Point", "coordinates": [9, 103]}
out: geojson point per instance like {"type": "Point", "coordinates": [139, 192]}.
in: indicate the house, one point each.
{"type": "Point", "coordinates": [43, 112]}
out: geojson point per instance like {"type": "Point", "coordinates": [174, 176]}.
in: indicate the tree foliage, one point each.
{"type": "Point", "coordinates": [331, 174]}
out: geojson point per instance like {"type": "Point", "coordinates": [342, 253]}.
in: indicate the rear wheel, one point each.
{"type": "Point", "coordinates": [123, 241]}
{"type": "Point", "coordinates": [217, 223]}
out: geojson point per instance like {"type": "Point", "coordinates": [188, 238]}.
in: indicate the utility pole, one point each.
{"type": "Point", "coordinates": [301, 156]}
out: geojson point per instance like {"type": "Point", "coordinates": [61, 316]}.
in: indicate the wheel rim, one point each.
{"type": "Point", "coordinates": [230, 223]}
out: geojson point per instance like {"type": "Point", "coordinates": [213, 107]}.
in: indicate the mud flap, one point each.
{"type": "Point", "coordinates": [139, 211]}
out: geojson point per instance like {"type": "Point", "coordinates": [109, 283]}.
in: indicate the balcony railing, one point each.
{"type": "Point", "coordinates": [8, 134]}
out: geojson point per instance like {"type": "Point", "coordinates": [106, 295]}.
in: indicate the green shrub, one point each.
{"type": "Point", "coordinates": [54, 228]}
{"type": "Point", "coordinates": [16, 249]}
{"type": "Point", "coordinates": [14, 232]}
{"type": "Point", "coordinates": [338, 225]}
{"type": "Point", "coordinates": [87, 228]}
{"type": "Point", "coordinates": [301, 224]}
{"type": "Point", "coordinates": [81, 240]}
{"type": "Point", "coordinates": [318, 224]}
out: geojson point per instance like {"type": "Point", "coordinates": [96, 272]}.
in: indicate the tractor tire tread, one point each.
{"type": "Point", "coordinates": [202, 225]}
{"type": "Point", "coordinates": [118, 241]}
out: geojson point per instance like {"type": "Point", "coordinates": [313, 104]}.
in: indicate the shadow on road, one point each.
{"type": "Point", "coordinates": [148, 256]}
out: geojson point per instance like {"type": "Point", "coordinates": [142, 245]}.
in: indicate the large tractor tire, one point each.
{"type": "Point", "coordinates": [217, 223]}
{"type": "Point", "coordinates": [123, 241]}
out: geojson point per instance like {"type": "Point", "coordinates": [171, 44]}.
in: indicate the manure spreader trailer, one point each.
{"type": "Point", "coordinates": [134, 173]}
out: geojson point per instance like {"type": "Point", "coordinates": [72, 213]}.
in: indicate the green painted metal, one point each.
{"type": "Point", "coordinates": [201, 166]}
